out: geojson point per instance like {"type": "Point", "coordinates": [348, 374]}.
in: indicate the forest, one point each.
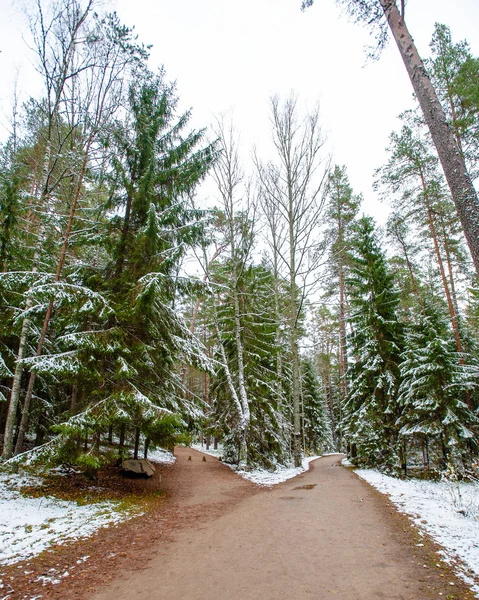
{"type": "Point", "coordinates": [274, 315]}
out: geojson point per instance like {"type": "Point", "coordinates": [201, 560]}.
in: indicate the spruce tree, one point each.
{"type": "Point", "coordinates": [433, 386]}
{"type": "Point", "coordinates": [316, 426]}
{"type": "Point", "coordinates": [372, 406]}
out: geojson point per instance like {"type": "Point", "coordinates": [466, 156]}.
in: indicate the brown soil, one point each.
{"type": "Point", "coordinates": [325, 534]}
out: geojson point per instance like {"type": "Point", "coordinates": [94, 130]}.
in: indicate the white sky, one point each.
{"type": "Point", "coordinates": [229, 56]}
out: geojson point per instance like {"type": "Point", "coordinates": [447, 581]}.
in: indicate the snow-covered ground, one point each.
{"type": "Point", "coordinates": [448, 512]}
{"type": "Point", "coordinates": [268, 478]}
{"type": "Point", "coordinates": [30, 525]}
{"type": "Point", "coordinates": [262, 476]}
{"type": "Point", "coordinates": [161, 456]}
{"type": "Point", "coordinates": [211, 451]}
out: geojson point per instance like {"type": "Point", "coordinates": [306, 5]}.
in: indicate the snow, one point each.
{"type": "Point", "coordinates": [262, 476]}
{"type": "Point", "coordinates": [269, 478]}
{"type": "Point", "coordinates": [161, 456]}
{"type": "Point", "coordinates": [30, 525]}
{"type": "Point", "coordinates": [447, 511]}
{"type": "Point", "coordinates": [211, 451]}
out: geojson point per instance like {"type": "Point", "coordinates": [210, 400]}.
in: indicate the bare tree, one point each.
{"type": "Point", "coordinates": [293, 186]}
{"type": "Point", "coordinates": [238, 212]}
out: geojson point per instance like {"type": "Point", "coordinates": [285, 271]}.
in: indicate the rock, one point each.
{"type": "Point", "coordinates": [140, 466]}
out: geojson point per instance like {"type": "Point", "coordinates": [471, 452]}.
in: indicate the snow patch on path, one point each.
{"type": "Point", "coordinates": [446, 511]}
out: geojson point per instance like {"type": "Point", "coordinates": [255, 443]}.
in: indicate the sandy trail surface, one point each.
{"type": "Point", "coordinates": [325, 535]}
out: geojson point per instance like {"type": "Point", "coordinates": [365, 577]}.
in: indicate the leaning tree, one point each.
{"type": "Point", "coordinates": [383, 16]}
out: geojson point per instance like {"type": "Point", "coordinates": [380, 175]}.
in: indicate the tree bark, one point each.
{"type": "Point", "coordinates": [462, 190]}
{"type": "Point", "coordinates": [293, 326]}
{"type": "Point", "coordinates": [46, 321]}
{"type": "Point", "coordinates": [432, 229]}
{"type": "Point", "coordinates": [137, 443]}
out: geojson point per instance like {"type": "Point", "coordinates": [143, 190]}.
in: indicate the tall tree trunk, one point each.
{"type": "Point", "coordinates": [22, 349]}
{"type": "Point", "coordinates": [415, 287]}
{"type": "Point", "coordinates": [343, 358]}
{"type": "Point", "coordinates": [46, 321]}
{"type": "Point", "coordinates": [459, 182]}
{"type": "Point", "coordinates": [244, 419]}
{"type": "Point", "coordinates": [293, 326]}
{"type": "Point", "coordinates": [124, 236]}
{"type": "Point", "coordinates": [137, 443]}
{"type": "Point", "coordinates": [450, 270]}
{"type": "Point", "coordinates": [328, 400]}
{"type": "Point", "coordinates": [432, 229]}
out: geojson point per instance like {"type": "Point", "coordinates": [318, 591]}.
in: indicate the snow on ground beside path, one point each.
{"type": "Point", "coordinates": [30, 525]}
{"type": "Point", "coordinates": [446, 511]}
{"type": "Point", "coordinates": [211, 451]}
{"type": "Point", "coordinates": [263, 476]}
{"type": "Point", "coordinates": [268, 478]}
{"type": "Point", "coordinates": [161, 456]}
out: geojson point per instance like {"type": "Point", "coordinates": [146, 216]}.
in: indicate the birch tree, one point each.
{"type": "Point", "coordinates": [238, 213]}
{"type": "Point", "coordinates": [295, 183]}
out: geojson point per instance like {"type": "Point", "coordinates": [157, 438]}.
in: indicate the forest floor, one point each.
{"type": "Point", "coordinates": [213, 535]}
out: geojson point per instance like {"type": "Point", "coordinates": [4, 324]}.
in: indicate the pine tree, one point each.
{"type": "Point", "coordinates": [341, 210]}
{"type": "Point", "coordinates": [453, 68]}
{"type": "Point", "coordinates": [384, 15]}
{"type": "Point", "coordinates": [411, 172]}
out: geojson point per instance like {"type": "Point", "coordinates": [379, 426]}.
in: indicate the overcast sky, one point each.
{"type": "Point", "coordinates": [230, 57]}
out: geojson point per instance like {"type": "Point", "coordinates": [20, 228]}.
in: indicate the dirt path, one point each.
{"type": "Point", "coordinates": [325, 534]}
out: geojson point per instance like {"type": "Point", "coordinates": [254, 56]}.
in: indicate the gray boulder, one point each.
{"type": "Point", "coordinates": [140, 467]}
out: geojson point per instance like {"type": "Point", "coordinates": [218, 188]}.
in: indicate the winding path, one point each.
{"type": "Point", "coordinates": [324, 535]}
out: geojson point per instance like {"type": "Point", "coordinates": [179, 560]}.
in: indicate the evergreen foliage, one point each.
{"type": "Point", "coordinates": [372, 406]}
{"type": "Point", "coordinates": [317, 427]}
{"type": "Point", "coordinates": [266, 440]}
{"type": "Point", "coordinates": [434, 382]}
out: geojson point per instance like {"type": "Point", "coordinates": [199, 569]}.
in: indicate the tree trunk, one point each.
{"type": "Point", "coordinates": [432, 229]}
{"type": "Point", "coordinates": [73, 399]}
{"type": "Point", "coordinates": [124, 236]}
{"type": "Point", "coordinates": [459, 182]}
{"type": "Point", "coordinates": [137, 443]}
{"type": "Point", "coordinates": [409, 268]}
{"type": "Point", "coordinates": [147, 446]}
{"type": "Point", "coordinates": [343, 359]}
{"type": "Point", "coordinates": [121, 445]}
{"type": "Point", "coordinates": [46, 321]}
{"type": "Point", "coordinates": [243, 447]}
{"type": "Point", "coordinates": [22, 349]}
{"type": "Point", "coordinates": [293, 327]}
